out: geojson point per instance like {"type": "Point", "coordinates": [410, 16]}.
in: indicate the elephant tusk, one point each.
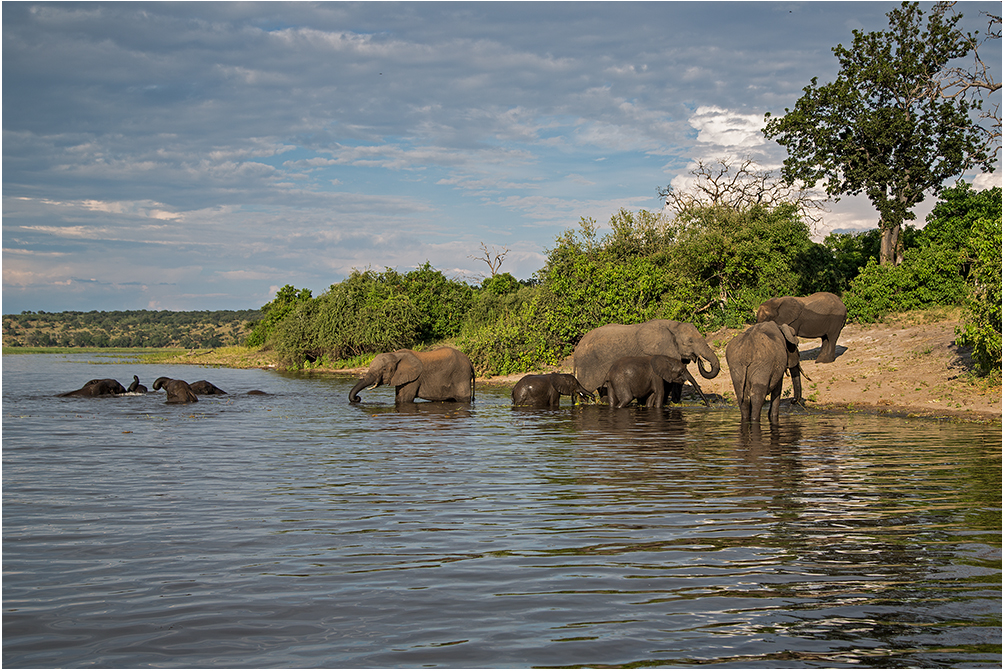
{"type": "Point", "coordinates": [374, 385]}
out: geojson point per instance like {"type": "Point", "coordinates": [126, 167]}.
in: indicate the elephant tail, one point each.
{"type": "Point", "coordinates": [472, 384]}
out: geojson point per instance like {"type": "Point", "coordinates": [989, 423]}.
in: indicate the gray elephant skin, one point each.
{"type": "Point", "coordinates": [443, 374]}
{"type": "Point", "coordinates": [757, 360]}
{"type": "Point", "coordinates": [105, 387]}
{"type": "Point", "coordinates": [546, 390]}
{"type": "Point", "coordinates": [643, 379]}
{"type": "Point", "coordinates": [206, 388]}
{"type": "Point", "coordinates": [136, 387]}
{"type": "Point", "coordinates": [178, 391]}
{"type": "Point", "coordinates": [602, 346]}
{"type": "Point", "coordinates": [820, 315]}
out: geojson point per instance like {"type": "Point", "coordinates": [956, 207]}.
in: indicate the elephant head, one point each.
{"type": "Point", "coordinates": [674, 371]}
{"type": "Point", "coordinates": [391, 368]}
{"type": "Point", "coordinates": [687, 340]}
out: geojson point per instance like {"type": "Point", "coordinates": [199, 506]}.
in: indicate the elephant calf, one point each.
{"type": "Point", "coordinates": [178, 391]}
{"type": "Point", "coordinates": [757, 360]}
{"type": "Point", "coordinates": [206, 388]}
{"type": "Point", "coordinates": [642, 378]}
{"type": "Point", "coordinates": [547, 390]}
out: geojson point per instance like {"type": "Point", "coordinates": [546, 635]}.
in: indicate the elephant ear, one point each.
{"type": "Point", "coordinates": [789, 334]}
{"type": "Point", "coordinates": [656, 338]}
{"type": "Point", "coordinates": [665, 368]}
{"type": "Point", "coordinates": [408, 369]}
{"type": "Point", "coordinates": [789, 310]}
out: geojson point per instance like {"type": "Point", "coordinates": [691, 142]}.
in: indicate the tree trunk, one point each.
{"type": "Point", "coordinates": [891, 250]}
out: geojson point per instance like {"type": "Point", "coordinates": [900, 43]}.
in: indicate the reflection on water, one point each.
{"type": "Point", "coordinates": [300, 530]}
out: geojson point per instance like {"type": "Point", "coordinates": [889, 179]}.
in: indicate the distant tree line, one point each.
{"type": "Point", "coordinates": [128, 328]}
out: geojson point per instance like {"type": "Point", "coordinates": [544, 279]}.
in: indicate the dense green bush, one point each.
{"type": "Point", "coordinates": [273, 312]}
{"type": "Point", "coordinates": [982, 326]}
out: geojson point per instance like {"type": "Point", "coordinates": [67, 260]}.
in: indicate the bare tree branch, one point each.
{"type": "Point", "coordinates": [493, 258]}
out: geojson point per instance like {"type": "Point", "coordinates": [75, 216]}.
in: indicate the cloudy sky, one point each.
{"type": "Point", "coordinates": [197, 156]}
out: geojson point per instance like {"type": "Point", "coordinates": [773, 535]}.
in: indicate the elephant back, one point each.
{"type": "Point", "coordinates": [602, 346]}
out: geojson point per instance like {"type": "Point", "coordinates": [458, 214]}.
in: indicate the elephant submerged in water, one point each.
{"type": "Point", "coordinates": [136, 387]}
{"type": "Point", "coordinates": [206, 388]}
{"type": "Point", "coordinates": [602, 346]}
{"type": "Point", "coordinates": [178, 391]}
{"type": "Point", "coordinates": [820, 315]}
{"type": "Point", "coordinates": [757, 360]}
{"type": "Point", "coordinates": [642, 379]}
{"type": "Point", "coordinates": [443, 374]}
{"type": "Point", "coordinates": [104, 387]}
{"type": "Point", "coordinates": [546, 390]}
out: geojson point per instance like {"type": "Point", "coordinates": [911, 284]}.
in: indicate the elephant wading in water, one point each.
{"type": "Point", "coordinates": [178, 391]}
{"type": "Point", "coordinates": [602, 346]}
{"type": "Point", "coordinates": [757, 360]}
{"type": "Point", "coordinates": [136, 387]}
{"type": "Point", "coordinates": [204, 388]}
{"type": "Point", "coordinates": [105, 387]}
{"type": "Point", "coordinates": [820, 315]}
{"type": "Point", "coordinates": [641, 378]}
{"type": "Point", "coordinates": [443, 374]}
{"type": "Point", "coordinates": [547, 390]}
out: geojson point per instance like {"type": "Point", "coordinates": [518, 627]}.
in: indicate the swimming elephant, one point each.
{"type": "Point", "coordinates": [757, 360]}
{"type": "Point", "coordinates": [178, 391]}
{"type": "Point", "coordinates": [205, 388]}
{"type": "Point", "coordinates": [135, 386]}
{"type": "Point", "coordinates": [642, 378]}
{"type": "Point", "coordinates": [602, 346]}
{"type": "Point", "coordinates": [546, 390]}
{"type": "Point", "coordinates": [820, 315]}
{"type": "Point", "coordinates": [443, 374]}
{"type": "Point", "coordinates": [105, 387]}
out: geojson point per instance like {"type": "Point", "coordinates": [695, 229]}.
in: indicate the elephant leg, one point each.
{"type": "Point", "coordinates": [758, 392]}
{"type": "Point", "coordinates": [406, 393]}
{"type": "Point", "coordinates": [676, 389]}
{"type": "Point", "coordinates": [776, 403]}
{"type": "Point", "coordinates": [797, 386]}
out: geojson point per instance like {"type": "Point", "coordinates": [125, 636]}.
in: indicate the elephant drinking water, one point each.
{"type": "Point", "coordinates": [443, 374]}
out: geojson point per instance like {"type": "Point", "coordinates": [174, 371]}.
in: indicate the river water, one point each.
{"type": "Point", "coordinates": [296, 529]}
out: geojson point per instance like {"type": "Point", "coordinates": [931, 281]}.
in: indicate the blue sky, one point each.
{"type": "Point", "coordinates": [198, 156]}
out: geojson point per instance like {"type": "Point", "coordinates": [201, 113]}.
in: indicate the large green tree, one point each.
{"type": "Point", "coordinates": [881, 128]}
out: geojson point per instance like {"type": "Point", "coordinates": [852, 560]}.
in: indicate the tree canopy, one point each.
{"type": "Point", "coordinates": [882, 128]}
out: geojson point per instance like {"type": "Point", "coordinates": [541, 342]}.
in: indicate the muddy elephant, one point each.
{"type": "Point", "coordinates": [205, 388]}
{"type": "Point", "coordinates": [135, 386]}
{"type": "Point", "coordinates": [602, 346]}
{"type": "Point", "coordinates": [643, 379]}
{"type": "Point", "coordinates": [546, 390]}
{"type": "Point", "coordinates": [820, 315]}
{"type": "Point", "coordinates": [443, 374]}
{"type": "Point", "coordinates": [104, 387]}
{"type": "Point", "coordinates": [757, 360]}
{"type": "Point", "coordinates": [178, 391]}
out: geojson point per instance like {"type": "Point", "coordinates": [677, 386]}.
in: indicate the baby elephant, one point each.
{"type": "Point", "coordinates": [206, 388]}
{"type": "Point", "coordinates": [546, 390]}
{"type": "Point", "coordinates": [105, 387]}
{"type": "Point", "coordinates": [178, 391]}
{"type": "Point", "coordinates": [642, 378]}
{"type": "Point", "coordinates": [757, 360]}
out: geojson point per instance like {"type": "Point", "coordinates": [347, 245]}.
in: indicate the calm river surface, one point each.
{"type": "Point", "coordinates": [296, 529]}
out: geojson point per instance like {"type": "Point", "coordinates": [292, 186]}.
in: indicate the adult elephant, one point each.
{"type": "Point", "coordinates": [757, 360]}
{"type": "Point", "coordinates": [206, 388]}
{"type": "Point", "coordinates": [547, 390]}
{"type": "Point", "coordinates": [602, 346]}
{"type": "Point", "coordinates": [135, 386]}
{"type": "Point", "coordinates": [178, 391]}
{"type": "Point", "coordinates": [820, 315]}
{"type": "Point", "coordinates": [642, 379]}
{"type": "Point", "coordinates": [443, 374]}
{"type": "Point", "coordinates": [104, 387]}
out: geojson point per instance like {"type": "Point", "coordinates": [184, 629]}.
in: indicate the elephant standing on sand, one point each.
{"type": "Point", "coordinates": [757, 360]}
{"type": "Point", "coordinates": [602, 346]}
{"type": "Point", "coordinates": [105, 387]}
{"type": "Point", "coordinates": [443, 374]}
{"type": "Point", "coordinates": [820, 315]}
{"type": "Point", "coordinates": [547, 390]}
{"type": "Point", "coordinates": [641, 378]}
{"type": "Point", "coordinates": [178, 391]}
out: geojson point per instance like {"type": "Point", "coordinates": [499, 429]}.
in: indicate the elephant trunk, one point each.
{"type": "Point", "coordinates": [713, 360]}
{"type": "Point", "coordinates": [363, 383]}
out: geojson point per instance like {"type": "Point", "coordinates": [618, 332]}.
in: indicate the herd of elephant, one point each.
{"type": "Point", "coordinates": [178, 391]}
{"type": "Point", "coordinates": [624, 363]}
{"type": "Point", "coordinates": [641, 363]}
